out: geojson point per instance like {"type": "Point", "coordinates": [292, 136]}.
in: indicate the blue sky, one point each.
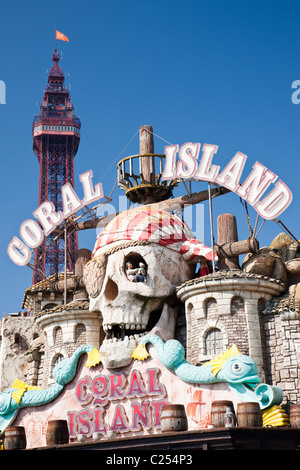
{"type": "Point", "coordinates": [211, 72]}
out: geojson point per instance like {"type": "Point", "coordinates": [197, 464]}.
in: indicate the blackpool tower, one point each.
{"type": "Point", "coordinates": [56, 136]}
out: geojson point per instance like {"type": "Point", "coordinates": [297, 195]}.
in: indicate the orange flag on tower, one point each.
{"type": "Point", "coordinates": [61, 36]}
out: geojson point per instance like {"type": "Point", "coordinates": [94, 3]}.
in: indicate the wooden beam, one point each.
{"type": "Point", "coordinates": [228, 247]}
{"type": "Point", "coordinates": [146, 147]}
{"type": "Point", "coordinates": [227, 234]}
{"type": "Point", "coordinates": [241, 247]}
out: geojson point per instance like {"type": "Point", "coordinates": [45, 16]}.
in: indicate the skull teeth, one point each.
{"type": "Point", "coordinates": [128, 326]}
{"type": "Point", "coordinates": [122, 331]}
{"type": "Point", "coordinates": [126, 338]}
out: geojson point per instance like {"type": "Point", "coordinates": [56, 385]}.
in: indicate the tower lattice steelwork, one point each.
{"type": "Point", "coordinates": [56, 136]}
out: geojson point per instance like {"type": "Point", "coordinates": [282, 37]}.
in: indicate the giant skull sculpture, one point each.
{"type": "Point", "coordinates": [158, 246]}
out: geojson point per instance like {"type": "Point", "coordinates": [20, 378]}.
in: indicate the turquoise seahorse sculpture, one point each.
{"type": "Point", "coordinates": [238, 370]}
{"type": "Point", "coordinates": [21, 395]}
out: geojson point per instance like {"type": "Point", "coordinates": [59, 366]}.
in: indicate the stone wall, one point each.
{"type": "Point", "coordinates": [282, 344]}
{"type": "Point", "coordinates": [65, 329]}
{"type": "Point", "coordinates": [222, 309]}
{"type": "Point", "coordinates": [222, 317]}
{"type": "Point", "coordinates": [17, 335]}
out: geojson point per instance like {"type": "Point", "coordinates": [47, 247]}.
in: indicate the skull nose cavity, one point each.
{"type": "Point", "coordinates": [111, 290]}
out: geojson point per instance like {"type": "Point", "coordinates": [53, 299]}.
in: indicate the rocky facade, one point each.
{"type": "Point", "coordinates": [21, 348]}
{"type": "Point", "coordinates": [281, 327]}
{"type": "Point", "coordinates": [257, 307]}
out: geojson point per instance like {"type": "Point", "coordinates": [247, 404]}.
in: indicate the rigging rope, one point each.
{"type": "Point", "coordinates": [248, 217]}
{"type": "Point", "coordinates": [117, 158]}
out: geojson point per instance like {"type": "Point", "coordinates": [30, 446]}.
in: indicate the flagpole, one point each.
{"type": "Point", "coordinates": [55, 38]}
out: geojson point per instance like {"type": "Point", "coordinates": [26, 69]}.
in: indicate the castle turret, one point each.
{"type": "Point", "coordinates": [224, 308]}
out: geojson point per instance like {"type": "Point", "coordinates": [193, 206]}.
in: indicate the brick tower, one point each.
{"type": "Point", "coordinates": [56, 136]}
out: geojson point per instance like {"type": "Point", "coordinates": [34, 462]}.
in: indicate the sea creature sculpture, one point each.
{"type": "Point", "coordinates": [22, 395]}
{"type": "Point", "coordinates": [238, 370]}
{"type": "Point", "coordinates": [231, 366]}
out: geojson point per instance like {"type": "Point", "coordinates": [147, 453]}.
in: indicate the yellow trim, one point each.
{"type": "Point", "coordinates": [20, 388]}
{"type": "Point", "coordinates": [20, 385]}
{"type": "Point", "coordinates": [93, 358]}
{"type": "Point", "coordinates": [140, 353]}
{"type": "Point", "coordinates": [17, 395]}
{"type": "Point", "coordinates": [218, 362]}
{"type": "Point", "coordinates": [275, 416]}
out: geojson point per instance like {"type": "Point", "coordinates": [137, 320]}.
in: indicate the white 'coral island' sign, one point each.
{"type": "Point", "coordinates": [186, 167]}
{"type": "Point", "coordinates": [252, 189]}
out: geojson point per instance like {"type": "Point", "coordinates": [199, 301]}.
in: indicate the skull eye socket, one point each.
{"type": "Point", "coordinates": [111, 290]}
{"type": "Point", "coordinates": [135, 267]}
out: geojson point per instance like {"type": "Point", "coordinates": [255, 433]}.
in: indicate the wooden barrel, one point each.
{"type": "Point", "coordinates": [295, 416]}
{"type": "Point", "coordinates": [57, 432]}
{"type": "Point", "coordinates": [218, 410]}
{"type": "Point", "coordinates": [15, 438]}
{"type": "Point", "coordinates": [249, 415]}
{"type": "Point", "coordinates": [173, 418]}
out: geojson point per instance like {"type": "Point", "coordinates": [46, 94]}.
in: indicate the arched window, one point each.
{"type": "Point", "coordinates": [58, 336]}
{"type": "Point", "coordinates": [237, 305]}
{"type": "Point", "coordinates": [214, 342]}
{"type": "Point", "coordinates": [211, 307]}
{"type": "Point", "coordinates": [49, 306]}
{"type": "Point", "coordinates": [261, 304]}
{"type": "Point", "coordinates": [58, 358]}
{"type": "Point", "coordinates": [80, 334]}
